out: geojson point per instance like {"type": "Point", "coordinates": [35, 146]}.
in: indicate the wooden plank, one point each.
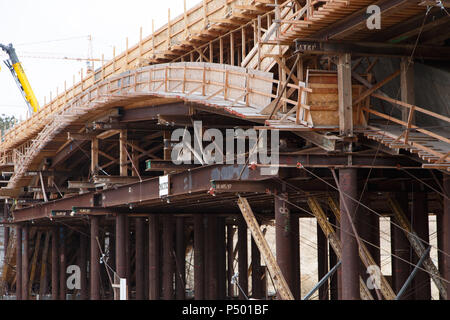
{"type": "Point", "coordinates": [34, 261]}
{"type": "Point", "coordinates": [345, 95]}
{"type": "Point", "coordinates": [277, 276]}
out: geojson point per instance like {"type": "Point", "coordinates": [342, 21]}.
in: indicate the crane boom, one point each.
{"type": "Point", "coordinates": [19, 75]}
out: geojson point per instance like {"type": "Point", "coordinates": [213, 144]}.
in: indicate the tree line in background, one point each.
{"type": "Point", "coordinates": [6, 122]}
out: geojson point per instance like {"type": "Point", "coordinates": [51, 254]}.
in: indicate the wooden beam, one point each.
{"type": "Point", "coordinates": [406, 85]}
{"type": "Point", "coordinates": [345, 95]}
{"type": "Point", "coordinates": [123, 153]}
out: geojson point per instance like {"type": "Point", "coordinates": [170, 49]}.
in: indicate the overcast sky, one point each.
{"type": "Point", "coordinates": [34, 25]}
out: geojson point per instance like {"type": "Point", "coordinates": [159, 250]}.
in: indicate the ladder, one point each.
{"type": "Point", "coordinates": [417, 245]}
{"type": "Point", "coordinates": [279, 281]}
{"type": "Point", "coordinates": [366, 257]}
{"type": "Point", "coordinates": [335, 243]}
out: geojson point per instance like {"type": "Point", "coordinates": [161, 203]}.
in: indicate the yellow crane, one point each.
{"type": "Point", "coordinates": [20, 77]}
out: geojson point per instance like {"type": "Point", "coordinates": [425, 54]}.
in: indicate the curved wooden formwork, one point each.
{"type": "Point", "coordinates": [239, 91]}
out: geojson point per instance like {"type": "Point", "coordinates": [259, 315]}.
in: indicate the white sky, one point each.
{"type": "Point", "coordinates": [26, 22]}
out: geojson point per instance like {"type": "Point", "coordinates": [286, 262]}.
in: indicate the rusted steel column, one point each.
{"type": "Point", "coordinates": [19, 263]}
{"type": "Point", "coordinates": [446, 231]}
{"type": "Point", "coordinates": [322, 262]}
{"type": "Point", "coordinates": [348, 183]}
{"type": "Point", "coordinates": [295, 256]}
{"type": "Point", "coordinates": [55, 263]}
{"type": "Point", "coordinates": [422, 281]}
{"type": "Point", "coordinates": [230, 260]}
{"type": "Point", "coordinates": [221, 251]}
{"type": "Point", "coordinates": [62, 264]}
{"type": "Point", "coordinates": [180, 276]}
{"type": "Point", "coordinates": [369, 230]}
{"type": "Point", "coordinates": [95, 260]}
{"type": "Point", "coordinates": [168, 258]}
{"type": "Point", "coordinates": [146, 261]}
{"type": "Point", "coordinates": [84, 292]}
{"type": "Point", "coordinates": [25, 260]}
{"type": "Point", "coordinates": [400, 247]}
{"type": "Point", "coordinates": [199, 257]}
{"type": "Point", "coordinates": [128, 253]}
{"type": "Point", "coordinates": [121, 255]}
{"type": "Point", "coordinates": [139, 263]}
{"type": "Point", "coordinates": [284, 240]}
{"type": "Point", "coordinates": [211, 259]}
{"type": "Point", "coordinates": [153, 253]}
{"type": "Point", "coordinates": [242, 257]}
{"type": "Point", "coordinates": [440, 255]}
{"type": "Point", "coordinates": [257, 292]}
{"type": "Point", "coordinates": [5, 230]}
{"type": "Point", "coordinates": [334, 281]}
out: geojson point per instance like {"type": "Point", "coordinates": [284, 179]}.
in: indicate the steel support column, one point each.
{"type": "Point", "coordinates": [422, 281]}
{"type": "Point", "coordinates": [348, 183]}
{"type": "Point", "coordinates": [295, 230]}
{"type": "Point", "coordinates": [25, 260]}
{"type": "Point", "coordinates": [446, 231]}
{"type": "Point", "coordinates": [400, 247]}
{"type": "Point", "coordinates": [211, 266]}
{"type": "Point", "coordinates": [62, 263]}
{"type": "Point", "coordinates": [168, 259]}
{"type": "Point", "coordinates": [230, 259]}
{"type": "Point", "coordinates": [199, 256]}
{"type": "Point", "coordinates": [257, 288]}
{"type": "Point", "coordinates": [84, 292]}
{"type": "Point", "coordinates": [180, 276]}
{"type": "Point", "coordinates": [19, 263]}
{"type": "Point", "coordinates": [154, 257]}
{"type": "Point", "coordinates": [55, 263]}
{"type": "Point", "coordinates": [221, 252]}
{"type": "Point", "coordinates": [95, 259]}
{"type": "Point", "coordinates": [139, 263]}
{"type": "Point", "coordinates": [121, 256]}
{"type": "Point", "coordinates": [243, 257]}
{"type": "Point", "coordinates": [284, 240]}
{"type": "Point", "coordinates": [322, 262]}
{"type": "Point", "coordinates": [333, 260]}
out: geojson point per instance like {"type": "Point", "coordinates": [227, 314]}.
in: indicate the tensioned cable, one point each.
{"type": "Point", "coordinates": [392, 109]}
{"type": "Point", "coordinates": [363, 240]}
{"type": "Point", "coordinates": [378, 214]}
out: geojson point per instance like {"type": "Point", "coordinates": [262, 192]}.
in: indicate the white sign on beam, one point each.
{"type": "Point", "coordinates": [164, 186]}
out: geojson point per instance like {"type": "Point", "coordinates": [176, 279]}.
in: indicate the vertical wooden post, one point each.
{"type": "Point", "coordinates": [139, 263]}
{"type": "Point", "coordinates": [232, 48]}
{"type": "Point", "coordinates": [244, 40]}
{"type": "Point", "coordinates": [94, 156]}
{"type": "Point", "coordinates": [123, 153]}
{"type": "Point", "coordinates": [221, 50]}
{"type": "Point", "coordinates": [406, 85]}
{"type": "Point", "coordinates": [345, 94]}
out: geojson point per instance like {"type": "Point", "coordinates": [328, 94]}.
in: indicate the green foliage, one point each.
{"type": "Point", "coordinates": [6, 122]}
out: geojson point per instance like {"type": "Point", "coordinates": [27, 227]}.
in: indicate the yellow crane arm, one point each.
{"type": "Point", "coordinates": [19, 75]}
